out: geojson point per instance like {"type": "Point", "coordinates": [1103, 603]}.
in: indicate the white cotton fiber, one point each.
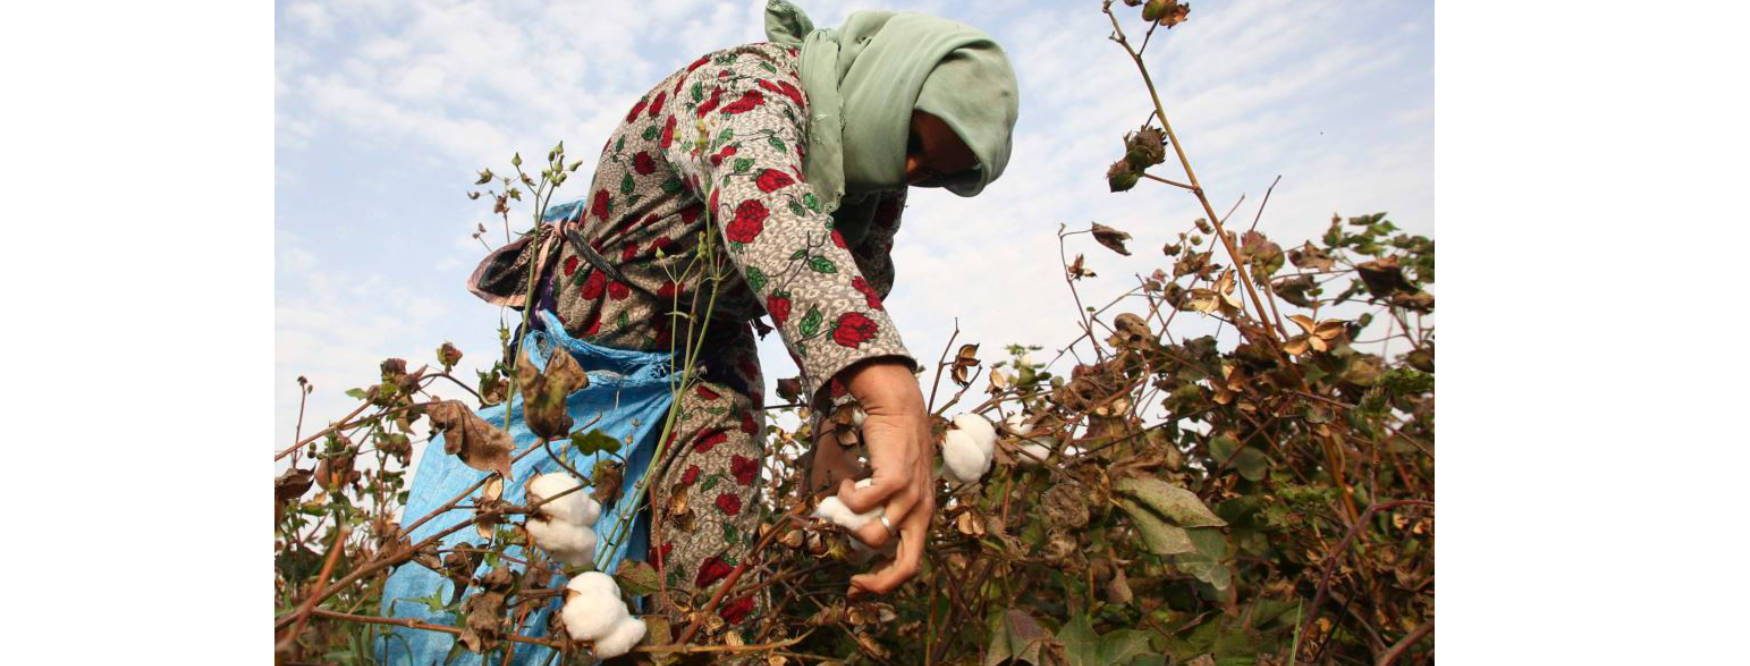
{"type": "Point", "coordinates": [594, 612]}
{"type": "Point", "coordinates": [621, 639]}
{"type": "Point", "coordinates": [1033, 452]}
{"type": "Point", "coordinates": [963, 460]}
{"type": "Point", "coordinates": [577, 508]}
{"type": "Point", "coordinates": [980, 429]}
{"type": "Point", "coordinates": [572, 544]}
{"type": "Point", "coordinates": [835, 511]}
{"type": "Point", "coordinates": [594, 582]}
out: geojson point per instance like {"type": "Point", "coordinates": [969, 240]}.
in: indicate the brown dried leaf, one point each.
{"type": "Point", "coordinates": [1077, 271]}
{"type": "Point", "coordinates": [292, 484]}
{"type": "Point", "coordinates": [479, 444]}
{"type": "Point", "coordinates": [1311, 258]}
{"type": "Point", "coordinates": [1113, 239]}
{"type": "Point", "coordinates": [1384, 277]}
{"type": "Point", "coordinates": [544, 393]}
{"type": "Point", "coordinates": [790, 389]}
{"type": "Point", "coordinates": [606, 476]}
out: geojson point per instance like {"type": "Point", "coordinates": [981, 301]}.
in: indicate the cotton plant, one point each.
{"type": "Point", "coordinates": [595, 612]}
{"type": "Point", "coordinates": [565, 527]}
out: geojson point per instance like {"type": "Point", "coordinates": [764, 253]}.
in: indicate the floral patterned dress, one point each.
{"type": "Point", "coordinates": [717, 148]}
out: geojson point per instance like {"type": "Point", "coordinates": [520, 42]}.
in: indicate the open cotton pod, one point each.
{"type": "Point", "coordinates": [1030, 451]}
{"type": "Point", "coordinates": [562, 527]}
{"type": "Point", "coordinates": [967, 448]}
{"type": "Point", "coordinates": [572, 544]}
{"type": "Point", "coordinates": [594, 612]}
{"type": "Point", "coordinates": [621, 639]}
{"type": "Point", "coordinates": [577, 508]}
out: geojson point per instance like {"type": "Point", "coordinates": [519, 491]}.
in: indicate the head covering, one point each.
{"type": "Point", "coordinates": [864, 79]}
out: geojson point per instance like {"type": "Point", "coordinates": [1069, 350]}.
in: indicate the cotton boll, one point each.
{"type": "Point", "coordinates": [621, 639]}
{"type": "Point", "coordinates": [572, 544]}
{"type": "Point", "coordinates": [594, 582]}
{"type": "Point", "coordinates": [577, 508]}
{"type": "Point", "coordinates": [963, 460]}
{"type": "Point", "coordinates": [594, 611]}
{"type": "Point", "coordinates": [983, 433]}
{"type": "Point", "coordinates": [1033, 453]}
{"type": "Point", "coordinates": [592, 617]}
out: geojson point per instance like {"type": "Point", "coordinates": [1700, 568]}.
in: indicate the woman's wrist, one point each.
{"type": "Point", "coordinates": [883, 382]}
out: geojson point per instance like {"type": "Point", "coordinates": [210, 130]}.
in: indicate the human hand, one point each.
{"type": "Point", "coordinates": [896, 432]}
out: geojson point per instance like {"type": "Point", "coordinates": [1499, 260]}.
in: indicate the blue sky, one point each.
{"type": "Point", "coordinates": [386, 110]}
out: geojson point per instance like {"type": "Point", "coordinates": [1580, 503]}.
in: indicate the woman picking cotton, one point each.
{"type": "Point", "coordinates": [786, 163]}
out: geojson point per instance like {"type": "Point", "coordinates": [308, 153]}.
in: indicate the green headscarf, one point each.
{"type": "Point", "coordinates": [864, 79]}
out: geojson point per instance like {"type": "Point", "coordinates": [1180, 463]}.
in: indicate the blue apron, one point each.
{"type": "Point", "coordinates": [631, 392]}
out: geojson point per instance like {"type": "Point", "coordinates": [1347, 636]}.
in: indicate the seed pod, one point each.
{"type": "Point", "coordinates": [1145, 148]}
{"type": "Point", "coordinates": [1121, 177]}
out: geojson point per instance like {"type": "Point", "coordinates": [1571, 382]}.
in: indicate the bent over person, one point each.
{"type": "Point", "coordinates": [782, 166]}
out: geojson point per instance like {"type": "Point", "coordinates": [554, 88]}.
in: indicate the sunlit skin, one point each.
{"type": "Point", "coordinates": [934, 150]}
{"type": "Point", "coordinates": [897, 429]}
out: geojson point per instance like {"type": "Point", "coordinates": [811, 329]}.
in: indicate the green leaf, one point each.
{"type": "Point", "coordinates": [626, 183]}
{"type": "Point", "coordinates": [1083, 647]}
{"type": "Point", "coordinates": [799, 254]}
{"type": "Point", "coordinates": [1016, 635]}
{"type": "Point", "coordinates": [1161, 537]}
{"type": "Point", "coordinates": [1250, 462]}
{"type": "Point", "coordinates": [588, 443]}
{"type": "Point", "coordinates": [777, 143]}
{"type": "Point", "coordinates": [1177, 504]}
{"type": "Point", "coordinates": [672, 185]}
{"type": "Point", "coordinates": [620, 145]}
{"type": "Point", "coordinates": [711, 481]}
{"type": "Point", "coordinates": [698, 91]}
{"type": "Point", "coordinates": [813, 202]}
{"type": "Point", "coordinates": [730, 535]}
{"type": "Point", "coordinates": [810, 322]}
{"type": "Point", "coordinates": [742, 164]}
{"type": "Point", "coordinates": [822, 265]}
{"type": "Point", "coordinates": [356, 393]}
{"type": "Point", "coordinates": [1208, 561]}
{"type": "Point", "coordinates": [797, 209]}
{"type": "Point", "coordinates": [638, 578]}
{"type": "Point", "coordinates": [651, 132]}
{"type": "Point", "coordinates": [756, 278]}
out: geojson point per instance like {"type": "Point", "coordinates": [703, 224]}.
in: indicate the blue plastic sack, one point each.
{"type": "Point", "coordinates": [630, 391]}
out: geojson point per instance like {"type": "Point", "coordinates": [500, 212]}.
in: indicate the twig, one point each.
{"type": "Point", "coordinates": [1336, 555]}
{"type": "Point", "coordinates": [729, 582]}
{"type": "Point", "coordinates": [303, 612]}
{"type": "Point", "coordinates": [1174, 183]}
{"type": "Point", "coordinates": [1402, 646]}
{"type": "Point", "coordinates": [940, 361]}
{"type": "Point", "coordinates": [1190, 174]}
